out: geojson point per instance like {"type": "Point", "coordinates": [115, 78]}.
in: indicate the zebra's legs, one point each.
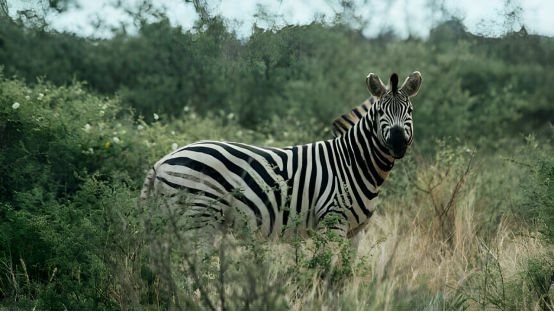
{"type": "Point", "coordinates": [203, 226]}
{"type": "Point", "coordinates": [202, 240]}
{"type": "Point", "coordinates": [333, 223]}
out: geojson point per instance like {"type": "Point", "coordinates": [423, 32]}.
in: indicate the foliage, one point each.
{"type": "Point", "coordinates": [486, 90]}
{"type": "Point", "coordinates": [464, 220]}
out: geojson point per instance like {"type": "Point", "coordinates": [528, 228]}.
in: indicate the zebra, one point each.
{"type": "Point", "coordinates": [236, 186]}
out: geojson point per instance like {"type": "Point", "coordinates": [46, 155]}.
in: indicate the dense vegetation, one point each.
{"type": "Point", "coordinates": [464, 221]}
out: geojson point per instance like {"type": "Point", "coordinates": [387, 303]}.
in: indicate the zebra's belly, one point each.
{"type": "Point", "coordinates": [199, 199]}
{"type": "Point", "coordinates": [202, 197]}
{"type": "Point", "coordinates": [358, 220]}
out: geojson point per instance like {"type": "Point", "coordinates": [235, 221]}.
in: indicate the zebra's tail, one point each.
{"type": "Point", "coordinates": [147, 187]}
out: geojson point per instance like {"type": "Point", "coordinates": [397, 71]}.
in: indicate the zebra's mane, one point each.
{"type": "Point", "coordinates": [346, 121]}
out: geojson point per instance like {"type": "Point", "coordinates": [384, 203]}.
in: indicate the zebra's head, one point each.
{"type": "Point", "coordinates": [393, 111]}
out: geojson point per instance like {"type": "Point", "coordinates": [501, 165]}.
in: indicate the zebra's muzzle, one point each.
{"type": "Point", "coordinates": [398, 142]}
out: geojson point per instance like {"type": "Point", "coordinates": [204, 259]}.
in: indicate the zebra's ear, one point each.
{"type": "Point", "coordinates": [412, 84]}
{"type": "Point", "coordinates": [375, 85]}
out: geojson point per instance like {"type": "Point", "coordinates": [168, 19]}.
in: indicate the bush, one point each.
{"type": "Point", "coordinates": [482, 90]}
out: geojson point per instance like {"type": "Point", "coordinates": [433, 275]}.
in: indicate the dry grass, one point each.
{"type": "Point", "coordinates": [402, 250]}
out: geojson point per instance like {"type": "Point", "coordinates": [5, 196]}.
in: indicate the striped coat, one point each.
{"type": "Point", "coordinates": [213, 186]}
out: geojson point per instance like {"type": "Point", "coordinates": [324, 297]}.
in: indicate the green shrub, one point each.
{"type": "Point", "coordinates": [482, 90]}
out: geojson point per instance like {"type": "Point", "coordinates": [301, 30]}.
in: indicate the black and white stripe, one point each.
{"type": "Point", "coordinates": [238, 185]}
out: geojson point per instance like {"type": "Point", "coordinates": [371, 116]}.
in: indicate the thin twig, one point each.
{"type": "Point", "coordinates": [51, 277]}
{"type": "Point", "coordinates": [459, 184]}
{"type": "Point", "coordinates": [516, 162]}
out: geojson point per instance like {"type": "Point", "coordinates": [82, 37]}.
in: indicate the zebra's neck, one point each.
{"type": "Point", "coordinates": [363, 152]}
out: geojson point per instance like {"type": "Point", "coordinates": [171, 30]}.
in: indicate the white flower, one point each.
{"type": "Point", "coordinates": [39, 119]}
{"type": "Point", "coordinates": [115, 140]}
{"type": "Point", "coordinates": [173, 132]}
{"type": "Point", "coordinates": [467, 150]}
{"type": "Point", "coordinates": [27, 97]}
{"type": "Point", "coordinates": [193, 115]}
{"type": "Point", "coordinates": [174, 146]}
{"type": "Point", "coordinates": [89, 151]}
{"type": "Point", "coordinates": [140, 127]}
{"type": "Point", "coordinates": [15, 105]}
{"type": "Point", "coordinates": [40, 96]}
{"type": "Point", "coordinates": [115, 133]}
{"type": "Point", "coordinates": [119, 125]}
{"type": "Point", "coordinates": [104, 107]}
{"type": "Point", "coordinates": [156, 116]}
{"type": "Point", "coordinates": [186, 109]}
{"type": "Point", "coordinates": [231, 115]}
{"type": "Point", "coordinates": [101, 113]}
{"type": "Point", "coordinates": [28, 91]}
{"type": "Point", "coordinates": [87, 128]}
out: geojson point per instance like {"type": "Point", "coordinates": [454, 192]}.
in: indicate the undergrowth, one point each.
{"type": "Point", "coordinates": [459, 230]}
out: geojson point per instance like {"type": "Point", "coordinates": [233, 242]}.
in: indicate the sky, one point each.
{"type": "Point", "coordinates": [404, 17]}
